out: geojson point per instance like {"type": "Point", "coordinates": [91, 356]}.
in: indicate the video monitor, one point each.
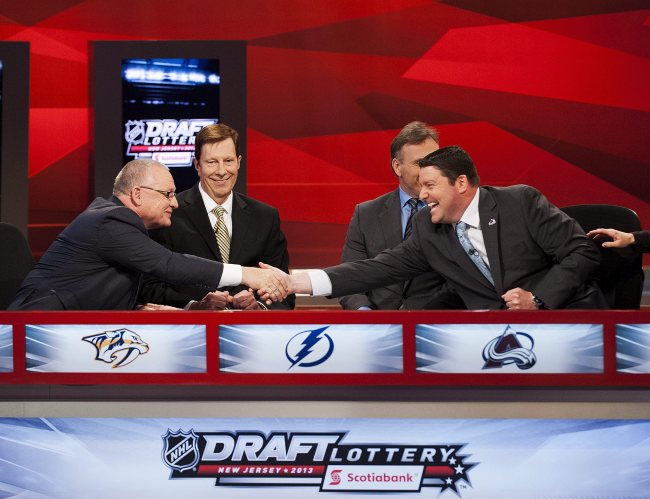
{"type": "Point", "coordinates": [167, 92]}
{"type": "Point", "coordinates": [14, 112]}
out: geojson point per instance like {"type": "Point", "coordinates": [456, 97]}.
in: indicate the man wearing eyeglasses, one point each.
{"type": "Point", "coordinates": [213, 221]}
{"type": "Point", "coordinates": [96, 263]}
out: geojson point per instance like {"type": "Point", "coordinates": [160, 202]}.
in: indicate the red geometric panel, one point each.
{"type": "Point", "coordinates": [523, 60]}
{"type": "Point", "coordinates": [54, 133]}
{"type": "Point", "coordinates": [220, 20]}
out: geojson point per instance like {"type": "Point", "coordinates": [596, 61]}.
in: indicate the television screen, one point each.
{"type": "Point", "coordinates": [165, 102]}
{"type": "Point", "coordinates": [150, 99]}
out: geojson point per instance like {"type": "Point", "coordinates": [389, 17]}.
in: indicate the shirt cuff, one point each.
{"type": "Point", "coordinates": [231, 275]}
{"type": "Point", "coordinates": [320, 283]}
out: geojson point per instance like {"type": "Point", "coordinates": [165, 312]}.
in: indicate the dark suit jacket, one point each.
{"type": "Point", "coordinates": [376, 226]}
{"type": "Point", "coordinates": [256, 237]}
{"type": "Point", "coordinates": [97, 261]}
{"type": "Point", "coordinates": [530, 244]}
{"type": "Point", "coordinates": [642, 240]}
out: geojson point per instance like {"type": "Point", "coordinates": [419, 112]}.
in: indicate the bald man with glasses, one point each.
{"type": "Point", "coordinates": [97, 262]}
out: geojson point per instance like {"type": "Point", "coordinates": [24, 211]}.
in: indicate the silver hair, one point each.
{"type": "Point", "coordinates": [134, 173]}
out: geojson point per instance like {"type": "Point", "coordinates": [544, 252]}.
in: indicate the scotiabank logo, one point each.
{"type": "Point", "coordinates": [336, 477]}
{"type": "Point", "coordinates": [322, 460]}
{"type": "Point", "coordinates": [376, 478]}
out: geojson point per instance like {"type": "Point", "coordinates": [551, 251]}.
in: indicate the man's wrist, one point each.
{"type": "Point", "coordinates": [539, 303]}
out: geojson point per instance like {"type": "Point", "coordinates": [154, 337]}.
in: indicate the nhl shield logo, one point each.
{"type": "Point", "coordinates": [180, 450]}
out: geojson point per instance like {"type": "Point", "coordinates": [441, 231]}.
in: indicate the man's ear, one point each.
{"type": "Point", "coordinates": [462, 183]}
{"type": "Point", "coordinates": [136, 196]}
{"type": "Point", "coordinates": [395, 166]}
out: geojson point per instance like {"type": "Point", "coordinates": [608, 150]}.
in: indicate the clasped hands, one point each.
{"type": "Point", "coordinates": [519, 299]}
{"type": "Point", "coordinates": [222, 300]}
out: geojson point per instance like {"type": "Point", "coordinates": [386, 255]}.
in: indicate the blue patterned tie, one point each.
{"type": "Point", "coordinates": [413, 203]}
{"type": "Point", "coordinates": [461, 232]}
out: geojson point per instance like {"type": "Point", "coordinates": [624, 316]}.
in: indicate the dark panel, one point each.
{"type": "Point", "coordinates": [14, 103]}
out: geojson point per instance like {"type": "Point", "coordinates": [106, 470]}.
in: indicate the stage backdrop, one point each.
{"type": "Point", "coordinates": [549, 95]}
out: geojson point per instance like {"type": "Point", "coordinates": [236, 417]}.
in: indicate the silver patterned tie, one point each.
{"type": "Point", "coordinates": [221, 232]}
{"type": "Point", "coordinates": [463, 238]}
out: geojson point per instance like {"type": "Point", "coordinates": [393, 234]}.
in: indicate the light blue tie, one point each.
{"type": "Point", "coordinates": [461, 232]}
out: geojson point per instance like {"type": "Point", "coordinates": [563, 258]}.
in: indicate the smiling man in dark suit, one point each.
{"type": "Point", "coordinates": [499, 247]}
{"type": "Point", "coordinates": [384, 222]}
{"type": "Point", "coordinates": [214, 222]}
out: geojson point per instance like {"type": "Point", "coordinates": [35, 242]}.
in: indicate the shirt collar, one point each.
{"type": "Point", "coordinates": [404, 197]}
{"type": "Point", "coordinates": [471, 216]}
{"type": "Point", "coordinates": [210, 203]}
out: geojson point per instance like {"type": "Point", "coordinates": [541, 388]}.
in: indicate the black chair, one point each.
{"type": "Point", "coordinates": [16, 261]}
{"type": "Point", "coordinates": [620, 275]}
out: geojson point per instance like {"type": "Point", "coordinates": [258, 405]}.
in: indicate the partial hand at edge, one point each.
{"type": "Point", "coordinates": [619, 239]}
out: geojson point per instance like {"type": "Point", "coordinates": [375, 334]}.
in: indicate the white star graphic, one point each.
{"type": "Point", "coordinates": [459, 469]}
{"type": "Point", "coordinates": [449, 481]}
{"type": "Point", "coordinates": [452, 460]}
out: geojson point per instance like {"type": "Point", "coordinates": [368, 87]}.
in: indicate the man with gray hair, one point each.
{"type": "Point", "coordinates": [384, 222]}
{"type": "Point", "coordinates": [96, 263]}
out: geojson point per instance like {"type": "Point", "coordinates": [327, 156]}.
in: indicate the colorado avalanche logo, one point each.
{"type": "Point", "coordinates": [508, 349]}
{"type": "Point", "coordinates": [134, 132]}
{"type": "Point", "coordinates": [309, 348]}
{"type": "Point", "coordinates": [180, 450]}
{"type": "Point", "coordinates": [119, 347]}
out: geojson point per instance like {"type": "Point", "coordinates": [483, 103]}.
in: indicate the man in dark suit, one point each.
{"type": "Point", "coordinates": [250, 229]}
{"type": "Point", "coordinates": [384, 222]}
{"type": "Point", "coordinates": [97, 261]}
{"type": "Point", "coordinates": [499, 247]}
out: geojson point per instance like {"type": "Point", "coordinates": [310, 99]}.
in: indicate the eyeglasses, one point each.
{"type": "Point", "coordinates": [167, 194]}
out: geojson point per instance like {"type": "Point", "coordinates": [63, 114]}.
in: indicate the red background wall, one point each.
{"type": "Point", "coordinates": [554, 96]}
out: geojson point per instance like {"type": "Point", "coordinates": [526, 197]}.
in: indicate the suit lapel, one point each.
{"type": "Point", "coordinates": [241, 224]}
{"type": "Point", "coordinates": [198, 216]}
{"type": "Point", "coordinates": [461, 258]}
{"type": "Point", "coordinates": [489, 217]}
{"type": "Point", "coordinates": [390, 218]}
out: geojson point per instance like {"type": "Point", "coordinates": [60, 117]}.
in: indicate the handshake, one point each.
{"type": "Point", "coordinates": [272, 285]}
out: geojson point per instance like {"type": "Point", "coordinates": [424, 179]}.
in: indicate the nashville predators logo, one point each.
{"type": "Point", "coordinates": [119, 347]}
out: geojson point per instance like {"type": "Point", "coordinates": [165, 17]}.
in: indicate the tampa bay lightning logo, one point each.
{"type": "Point", "coordinates": [512, 347]}
{"type": "Point", "coordinates": [309, 348]}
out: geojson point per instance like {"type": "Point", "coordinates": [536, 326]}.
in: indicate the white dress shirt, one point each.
{"type": "Point", "coordinates": [322, 285]}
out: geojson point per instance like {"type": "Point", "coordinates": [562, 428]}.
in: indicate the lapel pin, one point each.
{"type": "Point", "coordinates": [492, 221]}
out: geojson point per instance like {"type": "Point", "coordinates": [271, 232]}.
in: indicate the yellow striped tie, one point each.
{"type": "Point", "coordinates": [221, 231]}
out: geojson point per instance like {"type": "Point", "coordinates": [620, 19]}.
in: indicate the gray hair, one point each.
{"type": "Point", "coordinates": [134, 173]}
{"type": "Point", "coordinates": [413, 133]}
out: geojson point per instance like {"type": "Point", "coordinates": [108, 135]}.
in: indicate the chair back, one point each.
{"type": "Point", "coordinates": [620, 275]}
{"type": "Point", "coordinates": [16, 261]}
